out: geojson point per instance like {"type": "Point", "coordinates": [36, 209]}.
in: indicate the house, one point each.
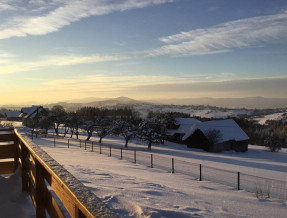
{"type": "Point", "coordinates": [182, 126]}
{"type": "Point", "coordinates": [12, 115]}
{"type": "Point", "coordinates": [29, 113]}
{"type": "Point", "coordinates": [229, 136]}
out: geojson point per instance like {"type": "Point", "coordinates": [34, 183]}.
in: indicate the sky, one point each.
{"type": "Point", "coordinates": [56, 50]}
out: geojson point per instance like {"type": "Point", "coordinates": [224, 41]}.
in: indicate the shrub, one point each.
{"type": "Point", "coordinates": [273, 143]}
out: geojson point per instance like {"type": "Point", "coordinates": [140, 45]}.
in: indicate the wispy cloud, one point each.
{"type": "Point", "coordinates": [6, 7]}
{"type": "Point", "coordinates": [249, 32]}
{"type": "Point", "coordinates": [65, 13]}
{"type": "Point", "coordinates": [10, 65]}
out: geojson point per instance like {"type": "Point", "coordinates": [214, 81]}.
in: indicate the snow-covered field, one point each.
{"type": "Point", "coordinates": [204, 112]}
{"type": "Point", "coordinates": [134, 190]}
{"type": "Point", "coordinates": [276, 116]}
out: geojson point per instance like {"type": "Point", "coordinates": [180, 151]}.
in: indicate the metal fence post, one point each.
{"type": "Point", "coordinates": [121, 153]}
{"type": "Point", "coordinates": [68, 143]}
{"type": "Point", "coordinates": [151, 161]}
{"type": "Point", "coordinates": [54, 142]}
{"type": "Point", "coordinates": [238, 180]}
{"type": "Point", "coordinates": [135, 156]}
{"type": "Point", "coordinates": [200, 172]}
{"type": "Point", "coordinates": [85, 145]}
{"type": "Point", "coordinates": [80, 143]}
{"type": "Point", "coordinates": [110, 150]}
{"type": "Point", "coordinates": [92, 146]}
{"type": "Point", "coordinates": [172, 165]}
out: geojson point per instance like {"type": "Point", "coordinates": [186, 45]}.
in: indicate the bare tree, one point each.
{"type": "Point", "coordinates": [102, 127]}
{"type": "Point", "coordinates": [58, 116]}
{"type": "Point", "coordinates": [126, 129]}
{"type": "Point", "coordinates": [214, 136]}
{"type": "Point", "coordinates": [149, 131]}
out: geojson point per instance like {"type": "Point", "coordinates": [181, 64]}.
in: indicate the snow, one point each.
{"type": "Point", "coordinates": [275, 116]}
{"type": "Point", "coordinates": [228, 128]}
{"type": "Point", "coordinates": [13, 202]}
{"type": "Point", "coordinates": [202, 111]}
{"type": "Point", "coordinates": [185, 124]}
{"type": "Point", "coordinates": [134, 190]}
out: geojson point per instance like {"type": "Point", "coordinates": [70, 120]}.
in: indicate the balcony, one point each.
{"type": "Point", "coordinates": [53, 190]}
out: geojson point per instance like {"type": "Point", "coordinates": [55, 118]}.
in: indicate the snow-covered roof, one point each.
{"type": "Point", "coordinates": [184, 125]}
{"type": "Point", "coordinates": [27, 112]}
{"type": "Point", "coordinates": [228, 128]}
{"type": "Point", "coordinates": [12, 113]}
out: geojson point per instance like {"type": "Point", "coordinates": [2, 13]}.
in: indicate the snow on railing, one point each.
{"type": "Point", "coordinates": [53, 189]}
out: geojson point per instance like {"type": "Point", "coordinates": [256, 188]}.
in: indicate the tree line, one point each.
{"type": "Point", "coordinates": [102, 122]}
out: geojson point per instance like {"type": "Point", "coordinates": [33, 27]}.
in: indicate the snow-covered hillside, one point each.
{"type": "Point", "coordinates": [275, 116]}
{"type": "Point", "coordinates": [197, 111]}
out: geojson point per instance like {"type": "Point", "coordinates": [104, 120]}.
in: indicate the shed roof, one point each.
{"type": "Point", "coordinates": [184, 125]}
{"type": "Point", "coordinates": [12, 113]}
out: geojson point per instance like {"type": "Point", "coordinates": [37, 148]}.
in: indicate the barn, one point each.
{"type": "Point", "coordinates": [217, 136]}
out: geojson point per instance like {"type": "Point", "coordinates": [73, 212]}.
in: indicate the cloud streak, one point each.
{"type": "Point", "coordinates": [244, 33]}
{"type": "Point", "coordinates": [66, 13]}
{"type": "Point", "coordinates": [10, 65]}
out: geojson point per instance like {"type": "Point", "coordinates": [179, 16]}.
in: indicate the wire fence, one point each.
{"type": "Point", "coordinates": [261, 187]}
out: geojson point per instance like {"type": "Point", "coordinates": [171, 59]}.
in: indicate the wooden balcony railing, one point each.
{"type": "Point", "coordinates": [53, 189]}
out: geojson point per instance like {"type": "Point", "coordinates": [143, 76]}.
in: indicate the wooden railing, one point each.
{"type": "Point", "coordinates": [53, 189]}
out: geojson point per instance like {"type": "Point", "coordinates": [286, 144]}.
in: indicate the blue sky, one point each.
{"type": "Point", "coordinates": [53, 50]}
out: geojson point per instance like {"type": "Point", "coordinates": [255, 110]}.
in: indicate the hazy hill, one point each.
{"type": "Point", "coordinates": [251, 102]}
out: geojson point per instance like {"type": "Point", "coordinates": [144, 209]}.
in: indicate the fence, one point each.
{"type": "Point", "coordinates": [52, 189]}
{"type": "Point", "coordinates": [262, 187]}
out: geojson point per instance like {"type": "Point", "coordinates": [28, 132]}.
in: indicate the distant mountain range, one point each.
{"type": "Point", "coordinates": [250, 103]}
{"type": "Point", "coordinates": [96, 102]}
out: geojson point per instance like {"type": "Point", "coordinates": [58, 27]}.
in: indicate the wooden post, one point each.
{"type": "Point", "coordinates": [172, 165]}
{"type": "Point", "coordinates": [85, 145]}
{"type": "Point", "coordinates": [25, 168]}
{"type": "Point", "coordinates": [121, 153]}
{"type": "Point", "coordinates": [54, 142]}
{"type": "Point", "coordinates": [16, 157]}
{"type": "Point", "coordinates": [92, 146]}
{"type": "Point", "coordinates": [110, 150]}
{"type": "Point", "coordinates": [80, 143]}
{"type": "Point", "coordinates": [135, 156]}
{"type": "Point", "coordinates": [200, 173]}
{"type": "Point", "coordinates": [100, 148]}
{"type": "Point", "coordinates": [40, 190]}
{"type": "Point", "coordinates": [151, 161]}
{"type": "Point", "coordinates": [238, 180]}
{"type": "Point", "coordinates": [68, 143]}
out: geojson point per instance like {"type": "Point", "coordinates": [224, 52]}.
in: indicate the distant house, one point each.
{"type": "Point", "coordinates": [12, 115]}
{"type": "Point", "coordinates": [28, 113]}
{"type": "Point", "coordinates": [232, 137]}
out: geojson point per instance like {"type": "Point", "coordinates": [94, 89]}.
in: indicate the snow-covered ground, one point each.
{"type": "Point", "coordinates": [204, 112]}
{"type": "Point", "coordinates": [13, 202]}
{"type": "Point", "coordinates": [275, 116]}
{"type": "Point", "coordinates": [134, 190]}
